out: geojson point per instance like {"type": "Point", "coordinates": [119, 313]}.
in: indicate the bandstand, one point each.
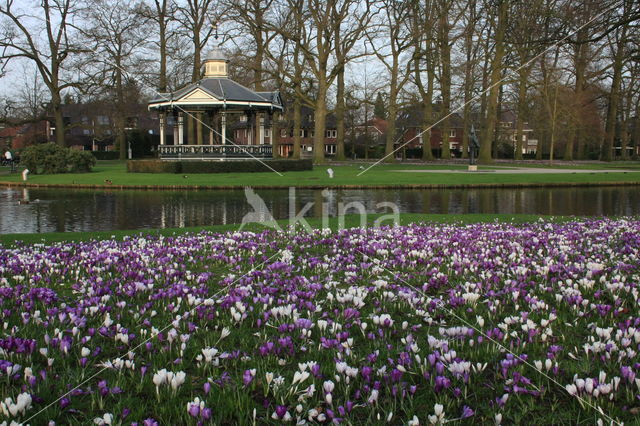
{"type": "Point", "coordinates": [208, 104]}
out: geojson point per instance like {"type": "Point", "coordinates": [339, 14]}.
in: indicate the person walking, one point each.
{"type": "Point", "coordinates": [8, 160]}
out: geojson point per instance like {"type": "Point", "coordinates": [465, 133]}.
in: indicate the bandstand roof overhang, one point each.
{"type": "Point", "coordinates": [217, 94]}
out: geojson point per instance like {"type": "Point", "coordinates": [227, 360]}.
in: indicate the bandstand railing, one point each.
{"type": "Point", "coordinates": [214, 152]}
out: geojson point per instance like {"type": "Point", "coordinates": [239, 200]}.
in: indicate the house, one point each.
{"type": "Point", "coordinates": [20, 136]}
{"type": "Point", "coordinates": [409, 124]}
{"type": "Point", "coordinates": [507, 132]}
{"type": "Point", "coordinates": [91, 126]}
{"type": "Point", "coordinates": [285, 129]}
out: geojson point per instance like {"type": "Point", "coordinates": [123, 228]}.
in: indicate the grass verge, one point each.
{"type": "Point", "coordinates": [350, 221]}
{"type": "Point", "coordinates": [113, 174]}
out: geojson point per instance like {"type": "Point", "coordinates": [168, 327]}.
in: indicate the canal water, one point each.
{"type": "Point", "coordinates": [61, 210]}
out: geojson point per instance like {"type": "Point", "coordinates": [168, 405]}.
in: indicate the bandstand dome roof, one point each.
{"type": "Point", "coordinates": [217, 92]}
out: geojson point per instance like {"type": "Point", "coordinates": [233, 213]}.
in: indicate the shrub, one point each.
{"type": "Point", "coordinates": [80, 161]}
{"type": "Point", "coordinates": [50, 158]}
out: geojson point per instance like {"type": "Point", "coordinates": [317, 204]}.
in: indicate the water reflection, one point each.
{"type": "Point", "coordinates": [84, 210]}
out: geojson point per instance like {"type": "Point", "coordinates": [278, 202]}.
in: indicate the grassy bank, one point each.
{"type": "Point", "coordinates": [350, 221]}
{"type": "Point", "coordinates": [113, 174]}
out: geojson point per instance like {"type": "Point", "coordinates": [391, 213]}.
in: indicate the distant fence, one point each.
{"type": "Point", "coordinates": [213, 152]}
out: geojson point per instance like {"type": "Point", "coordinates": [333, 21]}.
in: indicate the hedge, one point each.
{"type": "Point", "coordinates": [248, 166]}
{"type": "Point", "coordinates": [106, 155]}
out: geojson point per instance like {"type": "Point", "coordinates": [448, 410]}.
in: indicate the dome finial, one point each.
{"type": "Point", "coordinates": [216, 62]}
{"type": "Point", "coordinates": [214, 26]}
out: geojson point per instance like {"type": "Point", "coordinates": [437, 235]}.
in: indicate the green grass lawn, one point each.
{"type": "Point", "coordinates": [345, 175]}
{"type": "Point", "coordinates": [596, 165]}
{"type": "Point", "coordinates": [349, 222]}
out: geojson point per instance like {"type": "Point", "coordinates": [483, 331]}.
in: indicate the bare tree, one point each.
{"type": "Point", "coordinates": [447, 19]}
{"type": "Point", "coordinates": [20, 39]}
{"type": "Point", "coordinates": [161, 13]}
{"type": "Point", "coordinates": [391, 39]}
{"type": "Point", "coordinates": [32, 95]}
{"type": "Point", "coordinates": [525, 40]}
{"type": "Point", "coordinates": [251, 19]}
{"type": "Point", "coordinates": [617, 43]}
{"type": "Point", "coordinates": [348, 29]}
{"type": "Point", "coordinates": [115, 34]}
{"type": "Point", "coordinates": [314, 35]}
{"type": "Point", "coordinates": [195, 18]}
{"type": "Point", "coordinates": [423, 60]}
{"type": "Point", "coordinates": [470, 54]}
{"type": "Point", "coordinates": [501, 16]}
{"type": "Point", "coordinates": [288, 61]}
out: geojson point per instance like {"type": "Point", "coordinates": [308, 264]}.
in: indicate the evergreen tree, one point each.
{"type": "Point", "coordinates": [379, 108]}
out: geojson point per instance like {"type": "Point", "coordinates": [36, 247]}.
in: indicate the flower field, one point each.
{"type": "Point", "coordinates": [421, 324]}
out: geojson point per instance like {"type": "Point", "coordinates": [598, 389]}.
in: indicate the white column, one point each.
{"type": "Point", "coordinates": [250, 128]}
{"type": "Point", "coordinates": [223, 130]}
{"type": "Point", "coordinates": [211, 124]}
{"type": "Point", "coordinates": [261, 118]}
{"type": "Point", "coordinates": [175, 128]}
{"type": "Point", "coordinates": [180, 128]}
{"type": "Point", "coordinates": [163, 137]}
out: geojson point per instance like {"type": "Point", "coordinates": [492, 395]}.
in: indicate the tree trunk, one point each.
{"type": "Point", "coordinates": [427, 153]}
{"type": "Point", "coordinates": [580, 66]}
{"type": "Point", "coordinates": [340, 109]}
{"type": "Point", "coordinates": [522, 104]}
{"type": "Point", "coordinates": [492, 101]}
{"type": "Point", "coordinates": [259, 58]}
{"type": "Point", "coordinates": [392, 112]}
{"type": "Point", "coordinates": [614, 99]}
{"type": "Point", "coordinates": [161, 10]}
{"type": "Point", "coordinates": [297, 123]}
{"type": "Point", "coordinates": [320, 120]}
{"type": "Point", "coordinates": [59, 118]}
{"type": "Point", "coordinates": [121, 137]}
{"type": "Point", "coordinates": [445, 83]}
{"type": "Point", "coordinates": [468, 79]}
{"type": "Point", "coordinates": [636, 133]}
{"type": "Point", "coordinates": [624, 140]}
{"type": "Point", "coordinates": [275, 132]}
{"type": "Point", "coordinates": [427, 118]}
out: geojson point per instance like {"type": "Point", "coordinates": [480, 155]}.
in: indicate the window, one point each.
{"type": "Point", "coordinates": [102, 120]}
{"type": "Point", "coordinates": [243, 118]}
{"type": "Point", "coordinates": [267, 133]}
{"type": "Point", "coordinates": [452, 133]}
{"type": "Point", "coordinates": [330, 149]}
{"type": "Point", "coordinates": [283, 133]}
{"type": "Point", "coordinates": [331, 133]}
{"type": "Point", "coordinates": [302, 133]}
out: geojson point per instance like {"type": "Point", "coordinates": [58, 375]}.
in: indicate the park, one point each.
{"type": "Point", "coordinates": [346, 212]}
